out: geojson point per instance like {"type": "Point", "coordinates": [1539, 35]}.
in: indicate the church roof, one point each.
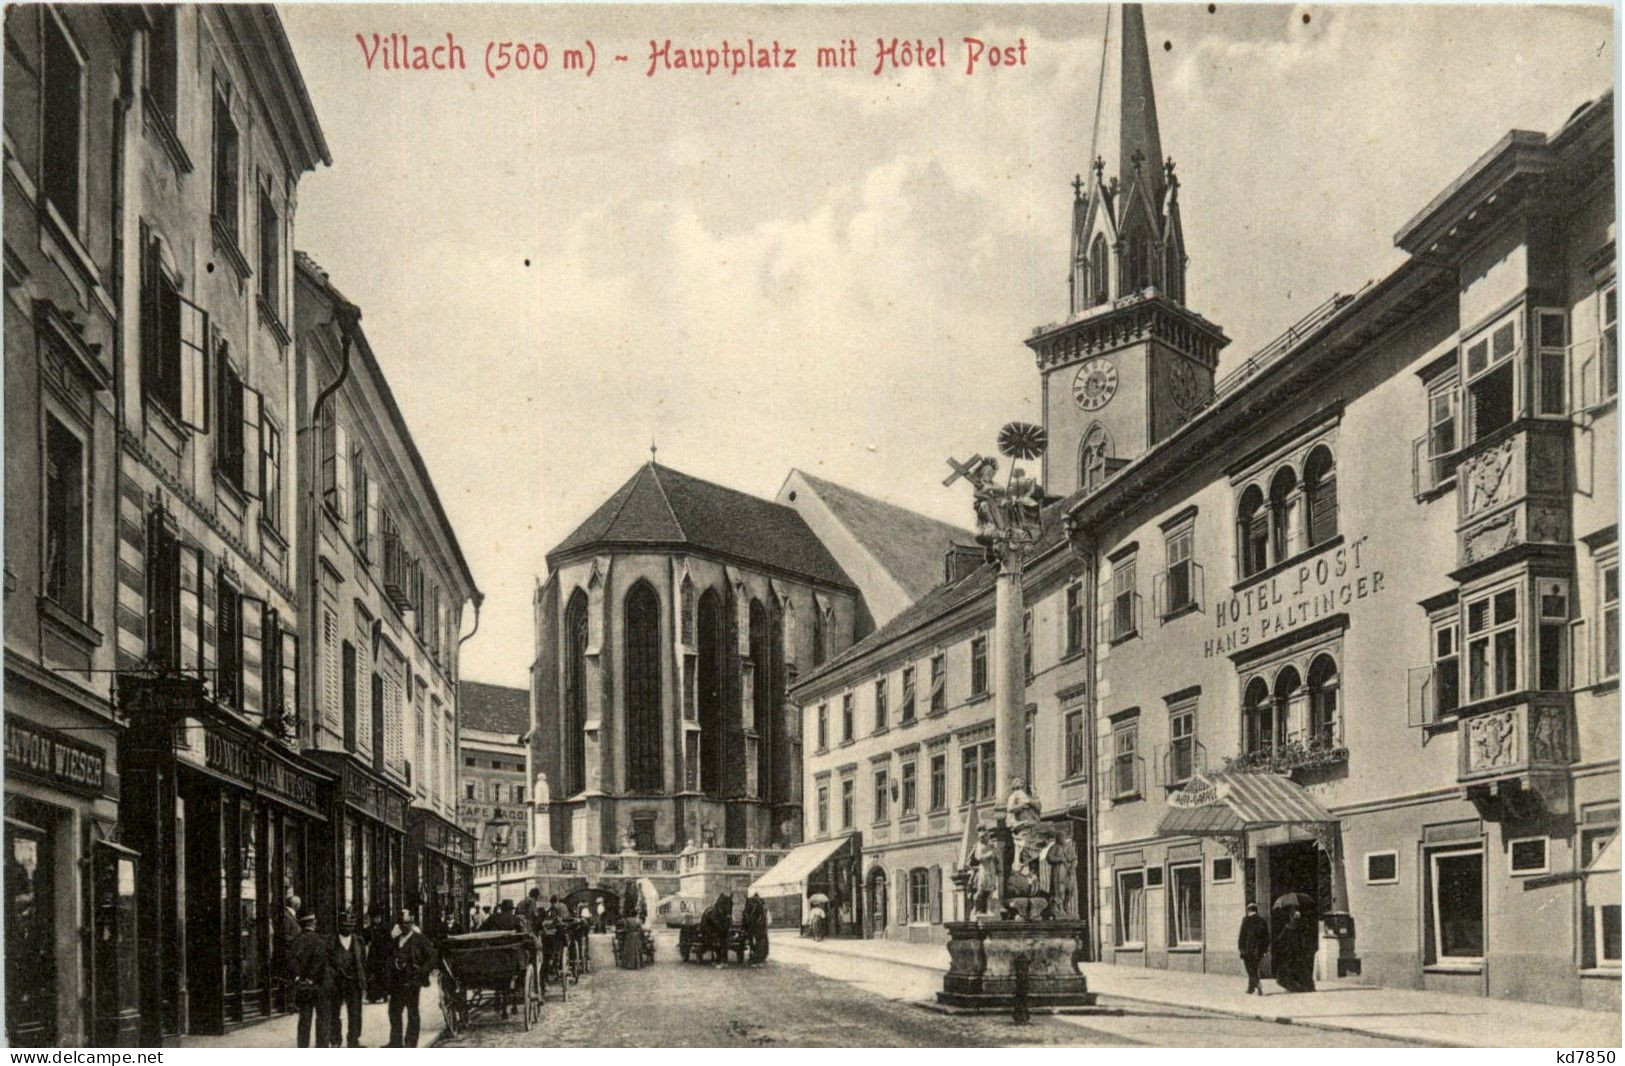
{"type": "Point", "coordinates": [493, 708]}
{"type": "Point", "coordinates": [909, 545]}
{"type": "Point", "coordinates": [664, 508]}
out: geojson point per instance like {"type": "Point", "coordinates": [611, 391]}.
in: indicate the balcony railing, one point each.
{"type": "Point", "coordinates": [1183, 759]}
{"type": "Point", "coordinates": [1318, 748]}
{"type": "Point", "coordinates": [1177, 588]}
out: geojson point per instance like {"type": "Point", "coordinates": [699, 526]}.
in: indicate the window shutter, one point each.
{"type": "Point", "coordinates": [191, 611]}
{"type": "Point", "coordinates": [193, 347]}
{"type": "Point", "coordinates": [372, 522]}
{"type": "Point", "coordinates": [149, 308]}
{"type": "Point", "coordinates": [253, 611]}
{"type": "Point", "coordinates": [210, 595]}
{"type": "Point", "coordinates": [936, 895]}
{"type": "Point", "coordinates": [363, 701]}
{"type": "Point", "coordinates": [341, 470]}
{"type": "Point", "coordinates": [332, 672]}
{"type": "Point", "coordinates": [290, 675]}
{"type": "Point", "coordinates": [902, 897]}
{"type": "Point", "coordinates": [253, 431]}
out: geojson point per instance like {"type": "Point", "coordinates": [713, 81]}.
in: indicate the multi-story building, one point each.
{"type": "Point", "coordinates": [670, 627]}
{"type": "Point", "coordinates": [385, 587]}
{"type": "Point", "coordinates": [225, 812]}
{"type": "Point", "coordinates": [68, 961]}
{"type": "Point", "coordinates": [494, 753]}
{"type": "Point", "coordinates": [1281, 665]}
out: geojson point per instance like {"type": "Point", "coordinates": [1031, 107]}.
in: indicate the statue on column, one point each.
{"type": "Point", "coordinates": [1008, 516]}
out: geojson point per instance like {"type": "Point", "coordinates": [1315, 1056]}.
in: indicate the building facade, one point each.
{"type": "Point", "coordinates": [494, 753]}
{"type": "Point", "coordinates": [70, 930]}
{"type": "Point", "coordinates": [1281, 665]}
{"type": "Point", "coordinates": [386, 589]}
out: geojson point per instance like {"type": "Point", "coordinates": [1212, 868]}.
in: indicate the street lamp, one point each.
{"type": "Point", "coordinates": [497, 831]}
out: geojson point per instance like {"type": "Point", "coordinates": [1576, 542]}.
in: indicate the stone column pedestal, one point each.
{"type": "Point", "coordinates": [985, 957]}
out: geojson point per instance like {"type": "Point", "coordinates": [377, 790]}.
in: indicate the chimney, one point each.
{"type": "Point", "coordinates": [960, 560]}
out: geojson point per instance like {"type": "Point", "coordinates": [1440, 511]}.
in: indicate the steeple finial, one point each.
{"type": "Point", "coordinates": [1077, 187]}
{"type": "Point", "coordinates": [652, 450]}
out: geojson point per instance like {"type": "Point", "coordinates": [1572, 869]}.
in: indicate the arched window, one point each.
{"type": "Point", "coordinates": [711, 643]}
{"type": "Point", "coordinates": [1284, 514]}
{"type": "Point", "coordinates": [1252, 533]}
{"type": "Point", "coordinates": [919, 896]}
{"type": "Point", "coordinates": [1325, 724]}
{"type": "Point", "coordinates": [1092, 455]}
{"type": "Point", "coordinates": [1320, 490]}
{"type": "Point", "coordinates": [575, 694]}
{"type": "Point", "coordinates": [685, 606]}
{"type": "Point", "coordinates": [1099, 272]}
{"type": "Point", "coordinates": [644, 765]}
{"type": "Point", "coordinates": [1288, 687]}
{"type": "Point", "coordinates": [820, 637]}
{"type": "Point", "coordinates": [1258, 715]}
{"type": "Point", "coordinates": [761, 657]}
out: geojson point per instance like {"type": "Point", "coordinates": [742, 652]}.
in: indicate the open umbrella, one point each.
{"type": "Point", "coordinates": [1294, 899]}
{"type": "Point", "coordinates": [817, 899]}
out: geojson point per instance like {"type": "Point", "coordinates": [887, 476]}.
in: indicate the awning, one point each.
{"type": "Point", "coordinates": [1229, 803]}
{"type": "Point", "coordinates": [1602, 876]}
{"type": "Point", "coordinates": [789, 876]}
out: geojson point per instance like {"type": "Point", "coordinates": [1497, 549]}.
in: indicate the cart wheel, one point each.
{"type": "Point", "coordinates": [448, 1010]}
{"type": "Point", "coordinates": [528, 1006]}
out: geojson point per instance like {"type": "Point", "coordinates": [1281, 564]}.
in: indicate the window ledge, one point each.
{"type": "Point", "coordinates": [979, 697]}
{"type": "Point", "coordinates": [273, 321]}
{"type": "Point", "coordinates": [882, 731]}
{"type": "Point", "coordinates": [1454, 967]}
{"type": "Point", "coordinates": [69, 240]}
{"type": "Point", "coordinates": [1127, 797]}
{"type": "Point", "coordinates": [1288, 563]}
{"type": "Point", "coordinates": [159, 125]}
{"type": "Point", "coordinates": [226, 245]}
{"type": "Point", "coordinates": [173, 433]}
{"type": "Point", "coordinates": [1185, 949]}
{"type": "Point", "coordinates": [905, 723]}
{"type": "Point", "coordinates": [847, 743]}
{"type": "Point", "coordinates": [1071, 656]}
{"type": "Point", "coordinates": [1079, 778]}
{"type": "Point", "coordinates": [1605, 972]}
{"type": "Point", "coordinates": [1124, 637]}
{"type": "Point", "coordinates": [272, 533]}
{"type": "Point", "coordinates": [69, 624]}
{"type": "Point", "coordinates": [1134, 948]}
{"type": "Point", "coordinates": [1181, 611]}
{"type": "Point", "coordinates": [1443, 488]}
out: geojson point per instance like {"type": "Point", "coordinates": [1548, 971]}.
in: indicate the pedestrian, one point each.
{"type": "Point", "coordinates": [815, 921]}
{"type": "Point", "coordinates": [473, 917]}
{"type": "Point", "coordinates": [755, 922]}
{"type": "Point", "coordinates": [411, 960]}
{"type": "Point", "coordinates": [600, 914]}
{"type": "Point", "coordinates": [308, 968]}
{"type": "Point", "coordinates": [1308, 937]}
{"type": "Point", "coordinates": [347, 975]}
{"type": "Point", "coordinates": [504, 920]}
{"type": "Point", "coordinates": [1253, 942]}
{"type": "Point", "coordinates": [530, 909]}
{"type": "Point", "coordinates": [1285, 950]}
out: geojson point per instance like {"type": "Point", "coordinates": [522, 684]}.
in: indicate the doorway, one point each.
{"type": "Point", "coordinates": [30, 929]}
{"type": "Point", "coordinates": [877, 902]}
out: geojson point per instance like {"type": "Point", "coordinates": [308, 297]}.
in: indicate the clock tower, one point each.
{"type": "Point", "coordinates": [1131, 363]}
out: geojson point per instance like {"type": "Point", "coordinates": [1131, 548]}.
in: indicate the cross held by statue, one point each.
{"type": "Point", "coordinates": [963, 470]}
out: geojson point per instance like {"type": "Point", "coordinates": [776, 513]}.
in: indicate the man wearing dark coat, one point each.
{"type": "Point", "coordinates": [1253, 943]}
{"type": "Point", "coordinates": [308, 971]}
{"type": "Point", "coordinates": [411, 960]}
{"type": "Point", "coordinates": [347, 970]}
{"type": "Point", "coordinates": [504, 920]}
{"type": "Point", "coordinates": [754, 920]}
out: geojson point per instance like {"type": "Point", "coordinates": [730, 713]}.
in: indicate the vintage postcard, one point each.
{"type": "Point", "coordinates": [1086, 525]}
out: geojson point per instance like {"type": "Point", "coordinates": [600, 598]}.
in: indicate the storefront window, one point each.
{"type": "Point", "coordinates": [30, 954]}
{"type": "Point", "coordinates": [1185, 905]}
{"type": "Point", "coordinates": [1131, 908]}
{"type": "Point", "coordinates": [248, 901]}
{"type": "Point", "coordinates": [1456, 904]}
{"type": "Point", "coordinates": [350, 899]}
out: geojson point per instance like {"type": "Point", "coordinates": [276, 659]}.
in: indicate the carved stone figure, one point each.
{"type": "Point", "coordinates": [542, 793]}
{"type": "Point", "coordinates": [985, 871]}
{"type": "Point", "coordinates": [708, 833]}
{"type": "Point", "coordinates": [1062, 859]}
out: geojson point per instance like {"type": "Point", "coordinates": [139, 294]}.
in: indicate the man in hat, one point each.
{"type": "Point", "coordinates": [411, 960]}
{"type": "Point", "coordinates": [308, 971]}
{"type": "Point", "coordinates": [504, 920]}
{"type": "Point", "coordinates": [1252, 943]}
{"type": "Point", "coordinates": [347, 967]}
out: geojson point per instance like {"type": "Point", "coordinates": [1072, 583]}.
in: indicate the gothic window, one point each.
{"type": "Point", "coordinates": [1093, 454]}
{"type": "Point", "coordinates": [575, 694]}
{"type": "Point", "coordinates": [686, 606]}
{"type": "Point", "coordinates": [761, 654]}
{"type": "Point", "coordinates": [643, 744]}
{"type": "Point", "coordinates": [819, 636]}
{"type": "Point", "coordinates": [1099, 267]}
{"type": "Point", "coordinates": [1320, 492]}
{"type": "Point", "coordinates": [711, 641]}
{"type": "Point", "coordinates": [1283, 514]}
{"type": "Point", "coordinates": [1325, 724]}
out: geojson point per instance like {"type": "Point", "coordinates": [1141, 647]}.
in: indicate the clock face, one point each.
{"type": "Point", "coordinates": [1095, 384]}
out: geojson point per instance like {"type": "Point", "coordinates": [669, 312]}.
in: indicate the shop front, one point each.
{"type": "Point", "coordinates": [439, 877]}
{"type": "Point", "coordinates": [65, 872]}
{"type": "Point", "coordinates": [231, 824]}
{"type": "Point", "coordinates": [822, 873]}
{"type": "Point", "coordinates": [369, 839]}
{"type": "Point", "coordinates": [1287, 845]}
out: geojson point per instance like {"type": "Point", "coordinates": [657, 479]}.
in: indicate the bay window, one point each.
{"type": "Point", "coordinates": [1608, 659]}
{"type": "Point", "coordinates": [1551, 362]}
{"type": "Point", "coordinates": [1493, 377]}
{"type": "Point", "coordinates": [1492, 644]}
{"type": "Point", "coordinates": [1552, 600]}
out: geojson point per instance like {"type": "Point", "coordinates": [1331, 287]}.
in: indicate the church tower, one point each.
{"type": "Point", "coordinates": [1131, 362]}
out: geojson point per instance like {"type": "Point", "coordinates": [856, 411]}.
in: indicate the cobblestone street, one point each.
{"type": "Point", "coordinates": [796, 1000]}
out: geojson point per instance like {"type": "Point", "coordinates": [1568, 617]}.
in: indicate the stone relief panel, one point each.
{"type": "Point", "coordinates": [1489, 478]}
{"type": "Point", "coordinates": [1492, 741]}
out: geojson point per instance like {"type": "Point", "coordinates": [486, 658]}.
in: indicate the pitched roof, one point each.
{"type": "Point", "coordinates": [493, 708]}
{"type": "Point", "coordinates": [908, 544]}
{"type": "Point", "coordinates": [945, 598]}
{"type": "Point", "coordinates": [662, 507]}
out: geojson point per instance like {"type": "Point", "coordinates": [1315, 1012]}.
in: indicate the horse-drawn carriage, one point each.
{"type": "Point", "coordinates": [696, 939]}
{"type": "Point", "coordinates": [493, 972]}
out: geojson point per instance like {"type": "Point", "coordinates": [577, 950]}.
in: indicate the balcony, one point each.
{"type": "Point", "coordinates": [1320, 748]}
{"type": "Point", "coordinates": [1513, 490]}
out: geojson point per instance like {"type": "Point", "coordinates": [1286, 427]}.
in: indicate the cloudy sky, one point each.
{"type": "Point", "coordinates": [832, 270]}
